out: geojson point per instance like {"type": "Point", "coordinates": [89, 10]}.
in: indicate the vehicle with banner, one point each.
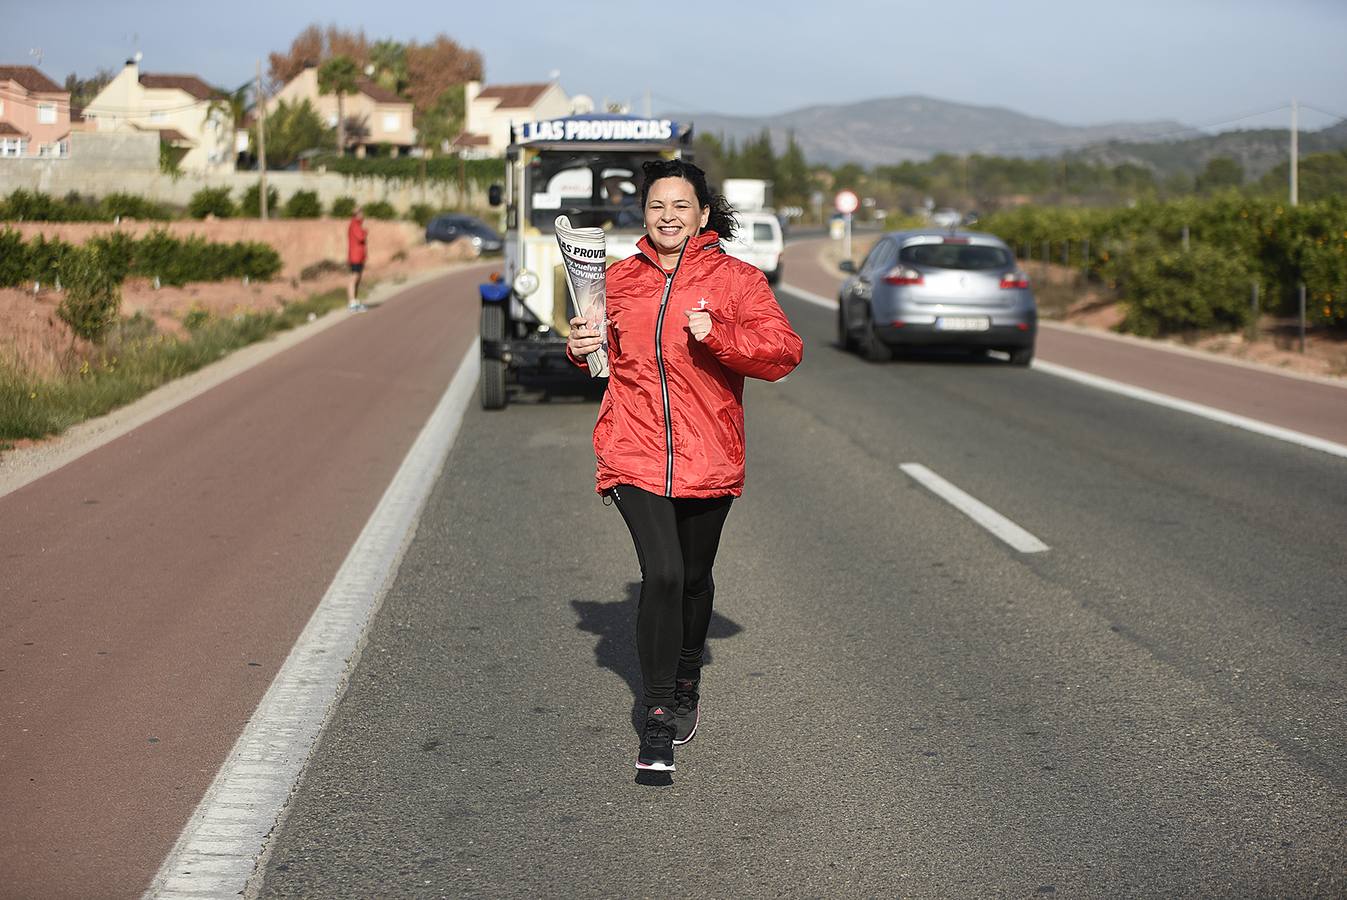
{"type": "Point", "coordinates": [587, 168]}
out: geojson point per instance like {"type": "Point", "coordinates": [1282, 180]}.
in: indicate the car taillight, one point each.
{"type": "Point", "coordinates": [903, 275]}
{"type": "Point", "coordinates": [954, 240]}
{"type": "Point", "coordinates": [1014, 280]}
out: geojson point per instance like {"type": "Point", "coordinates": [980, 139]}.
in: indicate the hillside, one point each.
{"type": "Point", "coordinates": [895, 129]}
{"type": "Point", "coordinates": [1258, 151]}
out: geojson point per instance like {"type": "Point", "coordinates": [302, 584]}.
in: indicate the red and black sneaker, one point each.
{"type": "Point", "coordinates": [657, 740]}
{"type": "Point", "coordinates": [686, 712]}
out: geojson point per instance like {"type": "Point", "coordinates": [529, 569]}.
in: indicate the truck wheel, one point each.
{"type": "Point", "coordinates": [493, 370]}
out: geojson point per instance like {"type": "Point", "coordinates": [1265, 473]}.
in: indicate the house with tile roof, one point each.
{"type": "Point", "coordinates": [375, 116]}
{"type": "Point", "coordinates": [34, 114]}
{"type": "Point", "coordinates": [490, 111]}
{"type": "Point", "coordinates": [178, 107]}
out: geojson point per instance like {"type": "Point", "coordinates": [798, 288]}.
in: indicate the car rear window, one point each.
{"type": "Point", "coordinates": [762, 232]}
{"type": "Point", "coordinates": [957, 256]}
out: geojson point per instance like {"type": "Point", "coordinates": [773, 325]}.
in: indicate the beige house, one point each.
{"type": "Point", "coordinates": [176, 106]}
{"type": "Point", "coordinates": [374, 114]}
{"type": "Point", "coordinates": [34, 114]}
{"type": "Point", "coordinates": [490, 112]}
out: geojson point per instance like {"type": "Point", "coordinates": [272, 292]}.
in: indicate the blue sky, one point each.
{"type": "Point", "coordinates": [1201, 62]}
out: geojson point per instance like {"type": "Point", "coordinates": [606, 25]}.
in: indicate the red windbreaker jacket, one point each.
{"type": "Point", "coordinates": [355, 241]}
{"type": "Point", "coordinates": [672, 419]}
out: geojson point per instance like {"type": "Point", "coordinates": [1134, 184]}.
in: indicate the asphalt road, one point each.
{"type": "Point", "coordinates": [898, 704]}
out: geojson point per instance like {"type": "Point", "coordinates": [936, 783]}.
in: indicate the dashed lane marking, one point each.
{"type": "Point", "coordinates": [975, 509]}
{"type": "Point", "coordinates": [216, 854]}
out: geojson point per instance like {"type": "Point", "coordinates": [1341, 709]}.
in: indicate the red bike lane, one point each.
{"type": "Point", "coordinates": [152, 588]}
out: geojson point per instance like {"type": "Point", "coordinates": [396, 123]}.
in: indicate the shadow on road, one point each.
{"type": "Point", "coordinates": [957, 356]}
{"type": "Point", "coordinates": [615, 624]}
{"type": "Point", "coordinates": [568, 388]}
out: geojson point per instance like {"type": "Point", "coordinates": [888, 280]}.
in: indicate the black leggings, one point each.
{"type": "Point", "coordinates": [676, 540]}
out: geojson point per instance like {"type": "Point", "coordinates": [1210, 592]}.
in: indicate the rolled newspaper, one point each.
{"type": "Point", "coordinates": [585, 253]}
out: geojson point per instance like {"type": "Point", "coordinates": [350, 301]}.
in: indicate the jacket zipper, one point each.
{"type": "Point", "coordinates": [663, 377]}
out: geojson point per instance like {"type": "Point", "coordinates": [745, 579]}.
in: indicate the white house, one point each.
{"type": "Point", "coordinates": [490, 111]}
{"type": "Point", "coordinates": [176, 106]}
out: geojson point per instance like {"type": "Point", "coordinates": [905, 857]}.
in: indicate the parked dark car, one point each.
{"type": "Point", "coordinates": [937, 288]}
{"type": "Point", "coordinates": [452, 227]}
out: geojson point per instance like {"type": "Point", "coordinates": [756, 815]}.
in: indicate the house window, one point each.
{"type": "Point", "coordinates": [392, 122]}
{"type": "Point", "coordinates": [13, 147]}
{"type": "Point", "coordinates": [46, 114]}
{"type": "Point", "coordinates": [158, 115]}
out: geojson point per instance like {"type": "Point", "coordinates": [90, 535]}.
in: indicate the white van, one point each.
{"type": "Point", "coordinates": [758, 242]}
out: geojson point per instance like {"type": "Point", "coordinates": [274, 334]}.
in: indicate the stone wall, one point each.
{"type": "Point", "coordinates": [114, 162]}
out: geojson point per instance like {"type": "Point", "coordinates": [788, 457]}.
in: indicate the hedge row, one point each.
{"type": "Point", "coordinates": [479, 172]}
{"type": "Point", "coordinates": [34, 206]}
{"type": "Point", "coordinates": [31, 206]}
{"type": "Point", "coordinates": [1233, 243]}
{"type": "Point", "coordinates": [156, 255]}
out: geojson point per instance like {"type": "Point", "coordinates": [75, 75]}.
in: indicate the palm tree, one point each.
{"type": "Point", "coordinates": [339, 75]}
{"type": "Point", "coordinates": [231, 107]}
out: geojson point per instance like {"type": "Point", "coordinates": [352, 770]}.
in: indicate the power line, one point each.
{"type": "Point", "coordinates": [1339, 116]}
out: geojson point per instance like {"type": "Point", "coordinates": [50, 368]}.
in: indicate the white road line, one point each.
{"type": "Point", "coordinates": [975, 509]}
{"type": "Point", "coordinates": [217, 852]}
{"type": "Point", "coordinates": [810, 296]}
{"type": "Point", "coordinates": [1196, 409]}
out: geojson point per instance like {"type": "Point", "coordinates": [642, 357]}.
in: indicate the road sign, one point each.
{"type": "Point", "coordinates": [846, 202]}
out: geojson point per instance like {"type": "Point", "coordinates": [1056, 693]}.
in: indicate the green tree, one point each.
{"type": "Point", "coordinates": [756, 159]}
{"type": "Point", "coordinates": [228, 110]}
{"type": "Point", "coordinates": [84, 90]}
{"type": "Point", "coordinates": [443, 121]}
{"type": "Point", "coordinates": [293, 128]}
{"type": "Point", "coordinates": [339, 75]}
{"type": "Point", "coordinates": [792, 174]}
{"type": "Point", "coordinates": [1220, 173]}
{"type": "Point", "coordinates": [389, 59]}
{"type": "Point", "coordinates": [848, 175]}
{"type": "Point", "coordinates": [709, 151]}
{"type": "Point", "coordinates": [1322, 175]}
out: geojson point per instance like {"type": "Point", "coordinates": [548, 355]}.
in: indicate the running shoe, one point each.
{"type": "Point", "coordinates": [686, 711]}
{"type": "Point", "coordinates": [657, 740]}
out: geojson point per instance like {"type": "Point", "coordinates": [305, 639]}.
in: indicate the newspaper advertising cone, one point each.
{"type": "Point", "coordinates": [585, 253]}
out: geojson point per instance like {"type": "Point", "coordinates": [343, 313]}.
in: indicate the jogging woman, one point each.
{"type": "Point", "coordinates": [686, 324]}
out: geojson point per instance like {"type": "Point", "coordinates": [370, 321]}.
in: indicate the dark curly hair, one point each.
{"type": "Point", "coordinates": [721, 220]}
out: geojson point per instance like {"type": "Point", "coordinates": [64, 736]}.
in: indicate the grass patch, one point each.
{"type": "Point", "coordinates": [134, 361]}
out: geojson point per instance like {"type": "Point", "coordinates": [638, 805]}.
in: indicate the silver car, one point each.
{"type": "Point", "coordinates": [937, 288]}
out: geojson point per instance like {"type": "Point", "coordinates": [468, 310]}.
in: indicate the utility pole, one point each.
{"type": "Point", "coordinates": [261, 143]}
{"type": "Point", "coordinates": [1295, 154]}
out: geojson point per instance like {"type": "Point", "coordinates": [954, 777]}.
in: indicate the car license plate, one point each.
{"type": "Point", "coordinates": [963, 323]}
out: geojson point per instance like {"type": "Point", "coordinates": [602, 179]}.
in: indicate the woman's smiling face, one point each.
{"type": "Point", "coordinates": [672, 214]}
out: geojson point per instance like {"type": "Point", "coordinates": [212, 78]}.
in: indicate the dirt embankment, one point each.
{"type": "Point", "coordinates": [34, 338]}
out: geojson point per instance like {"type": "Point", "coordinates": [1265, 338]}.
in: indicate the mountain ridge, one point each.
{"type": "Point", "coordinates": [889, 130]}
